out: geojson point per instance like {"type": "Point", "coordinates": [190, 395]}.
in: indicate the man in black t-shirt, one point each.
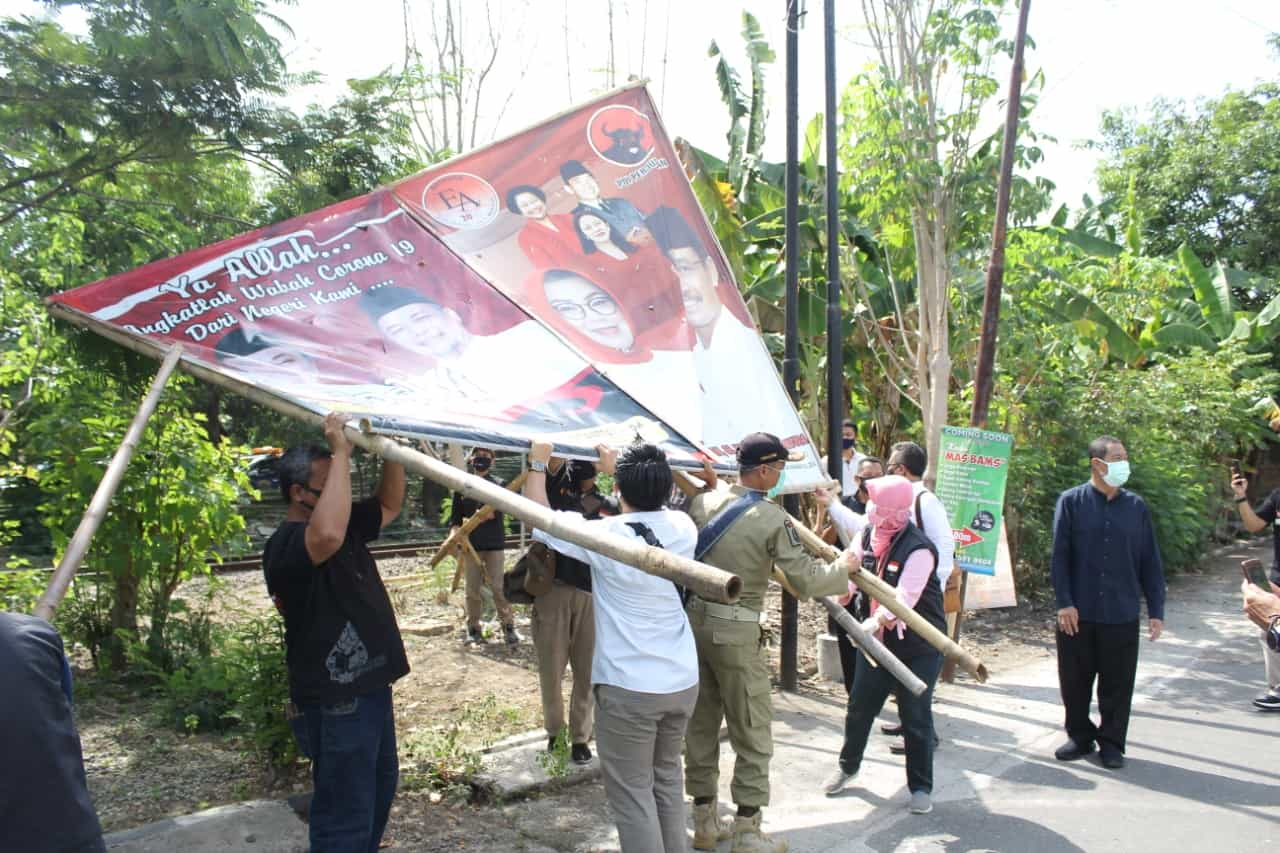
{"type": "Point", "coordinates": [44, 798]}
{"type": "Point", "coordinates": [343, 646]}
{"type": "Point", "coordinates": [489, 542]}
{"type": "Point", "coordinates": [1256, 520]}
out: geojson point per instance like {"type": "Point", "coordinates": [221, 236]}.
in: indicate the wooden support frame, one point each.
{"type": "Point", "coordinates": [97, 511]}
{"type": "Point", "coordinates": [706, 581]}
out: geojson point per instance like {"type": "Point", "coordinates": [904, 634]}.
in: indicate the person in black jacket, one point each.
{"type": "Point", "coordinates": [892, 547]}
{"type": "Point", "coordinates": [489, 542]}
{"type": "Point", "coordinates": [44, 798]}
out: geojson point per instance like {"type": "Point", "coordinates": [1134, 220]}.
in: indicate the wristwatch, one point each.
{"type": "Point", "coordinates": [1243, 500]}
{"type": "Point", "coordinates": [537, 466]}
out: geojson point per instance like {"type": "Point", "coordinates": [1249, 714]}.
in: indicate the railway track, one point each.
{"type": "Point", "coordinates": [391, 549]}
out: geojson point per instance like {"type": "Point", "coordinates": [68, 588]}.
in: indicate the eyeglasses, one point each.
{"type": "Point", "coordinates": [599, 304]}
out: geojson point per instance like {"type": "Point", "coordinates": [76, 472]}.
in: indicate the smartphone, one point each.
{"type": "Point", "coordinates": [1255, 573]}
{"type": "Point", "coordinates": [1235, 468]}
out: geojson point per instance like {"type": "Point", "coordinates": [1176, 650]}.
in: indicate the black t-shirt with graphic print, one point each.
{"type": "Point", "coordinates": [1267, 511]}
{"type": "Point", "coordinates": [340, 632]}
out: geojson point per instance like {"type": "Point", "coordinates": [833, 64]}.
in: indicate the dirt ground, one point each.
{"type": "Point", "coordinates": [457, 699]}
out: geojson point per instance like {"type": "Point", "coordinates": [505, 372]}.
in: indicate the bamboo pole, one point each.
{"type": "Point", "coordinates": [706, 581]}
{"type": "Point", "coordinates": [887, 596]}
{"type": "Point", "coordinates": [97, 511]}
{"type": "Point", "coordinates": [463, 532]}
{"type": "Point", "coordinates": [864, 640]}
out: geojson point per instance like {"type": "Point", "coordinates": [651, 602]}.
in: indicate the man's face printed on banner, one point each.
{"type": "Point", "coordinates": [531, 206]}
{"type": "Point", "coordinates": [590, 310]}
{"type": "Point", "coordinates": [426, 329]}
{"type": "Point", "coordinates": [278, 362]}
{"type": "Point", "coordinates": [698, 281]}
{"type": "Point", "coordinates": [585, 187]}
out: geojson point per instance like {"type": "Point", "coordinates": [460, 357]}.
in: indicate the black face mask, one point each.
{"type": "Point", "coordinates": [481, 463]}
{"type": "Point", "coordinates": [847, 443]}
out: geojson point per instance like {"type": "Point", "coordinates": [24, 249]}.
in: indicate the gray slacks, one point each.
{"type": "Point", "coordinates": [639, 737]}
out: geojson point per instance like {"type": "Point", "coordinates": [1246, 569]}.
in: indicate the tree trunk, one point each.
{"type": "Point", "coordinates": [124, 613]}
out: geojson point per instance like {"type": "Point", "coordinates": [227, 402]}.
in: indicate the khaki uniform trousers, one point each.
{"type": "Point", "coordinates": [487, 572]}
{"type": "Point", "coordinates": [733, 685]}
{"type": "Point", "coordinates": [564, 632]}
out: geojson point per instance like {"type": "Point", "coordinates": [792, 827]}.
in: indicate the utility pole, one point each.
{"type": "Point", "coordinates": [984, 379]}
{"type": "Point", "coordinates": [791, 352]}
{"type": "Point", "coordinates": [835, 350]}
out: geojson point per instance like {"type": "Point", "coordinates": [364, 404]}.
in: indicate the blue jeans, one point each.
{"type": "Point", "coordinates": [871, 687]}
{"type": "Point", "coordinates": [354, 769]}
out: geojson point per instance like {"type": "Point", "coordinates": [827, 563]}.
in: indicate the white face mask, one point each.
{"type": "Point", "coordinates": [1117, 473]}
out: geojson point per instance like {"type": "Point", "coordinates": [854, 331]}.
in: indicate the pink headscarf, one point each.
{"type": "Point", "coordinates": [889, 509]}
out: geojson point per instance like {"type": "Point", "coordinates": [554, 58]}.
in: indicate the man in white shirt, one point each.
{"type": "Point", "coordinates": [645, 669]}
{"type": "Point", "coordinates": [850, 458]}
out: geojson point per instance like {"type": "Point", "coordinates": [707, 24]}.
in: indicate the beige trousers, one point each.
{"type": "Point", "coordinates": [487, 572]}
{"type": "Point", "coordinates": [564, 633]}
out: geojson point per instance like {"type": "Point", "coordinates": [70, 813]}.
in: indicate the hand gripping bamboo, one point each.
{"type": "Point", "coordinates": [887, 596]}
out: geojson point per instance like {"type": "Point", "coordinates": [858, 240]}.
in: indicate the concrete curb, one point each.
{"type": "Point", "coordinates": [270, 826]}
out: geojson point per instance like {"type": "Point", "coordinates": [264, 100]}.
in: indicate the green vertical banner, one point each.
{"type": "Point", "coordinates": [972, 473]}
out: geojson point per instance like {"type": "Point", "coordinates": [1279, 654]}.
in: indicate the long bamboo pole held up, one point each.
{"type": "Point", "coordinates": [706, 581]}
{"type": "Point", "coordinates": [97, 511]}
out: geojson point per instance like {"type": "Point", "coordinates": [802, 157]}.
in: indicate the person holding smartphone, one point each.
{"type": "Point", "coordinates": [1255, 519]}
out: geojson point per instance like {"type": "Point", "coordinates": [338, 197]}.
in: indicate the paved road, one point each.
{"type": "Point", "coordinates": [1203, 767]}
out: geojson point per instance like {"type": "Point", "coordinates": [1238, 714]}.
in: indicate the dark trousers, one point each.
{"type": "Point", "coordinates": [354, 769]}
{"type": "Point", "coordinates": [871, 687]}
{"type": "Point", "coordinates": [1108, 653]}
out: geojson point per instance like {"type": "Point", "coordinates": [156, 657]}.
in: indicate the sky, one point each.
{"type": "Point", "coordinates": [1096, 55]}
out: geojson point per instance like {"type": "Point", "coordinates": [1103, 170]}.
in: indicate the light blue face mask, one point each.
{"type": "Point", "coordinates": [776, 488]}
{"type": "Point", "coordinates": [1117, 473]}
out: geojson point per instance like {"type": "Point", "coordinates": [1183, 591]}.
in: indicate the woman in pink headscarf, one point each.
{"type": "Point", "coordinates": [900, 554]}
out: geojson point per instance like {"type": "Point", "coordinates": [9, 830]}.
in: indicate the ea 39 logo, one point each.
{"type": "Point", "coordinates": [460, 200]}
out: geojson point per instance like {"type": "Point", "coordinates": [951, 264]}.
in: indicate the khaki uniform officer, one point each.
{"type": "Point", "coordinates": [733, 673]}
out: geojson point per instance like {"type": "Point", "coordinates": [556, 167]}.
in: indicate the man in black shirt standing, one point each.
{"type": "Point", "coordinates": [1255, 520]}
{"type": "Point", "coordinates": [489, 542]}
{"type": "Point", "coordinates": [1104, 556]}
{"type": "Point", "coordinates": [343, 646]}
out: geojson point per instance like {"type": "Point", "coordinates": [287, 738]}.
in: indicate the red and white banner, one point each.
{"type": "Point", "coordinates": [589, 224]}
{"type": "Point", "coordinates": [561, 283]}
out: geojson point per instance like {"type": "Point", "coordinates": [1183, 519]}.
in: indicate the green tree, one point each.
{"type": "Point", "coordinates": [152, 83]}
{"type": "Point", "coordinates": [1206, 175]}
{"type": "Point", "coordinates": [176, 506]}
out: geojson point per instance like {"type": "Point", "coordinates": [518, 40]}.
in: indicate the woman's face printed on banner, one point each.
{"type": "Point", "coordinates": [595, 228]}
{"type": "Point", "coordinates": [531, 206]}
{"type": "Point", "coordinates": [590, 310]}
{"type": "Point", "coordinates": [425, 329]}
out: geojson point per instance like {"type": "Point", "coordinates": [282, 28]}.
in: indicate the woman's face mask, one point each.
{"type": "Point", "coordinates": [481, 463]}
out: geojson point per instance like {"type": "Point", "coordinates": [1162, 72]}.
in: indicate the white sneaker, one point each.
{"type": "Point", "coordinates": [835, 783]}
{"type": "Point", "coordinates": [921, 802]}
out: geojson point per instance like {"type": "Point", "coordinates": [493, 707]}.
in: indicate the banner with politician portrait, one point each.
{"type": "Point", "coordinates": [358, 308]}
{"type": "Point", "coordinates": [588, 223]}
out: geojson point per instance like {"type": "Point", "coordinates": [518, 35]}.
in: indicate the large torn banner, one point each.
{"type": "Point", "coordinates": [561, 283]}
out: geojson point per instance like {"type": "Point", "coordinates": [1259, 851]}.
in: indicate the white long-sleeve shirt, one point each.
{"type": "Point", "coordinates": [937, 527]}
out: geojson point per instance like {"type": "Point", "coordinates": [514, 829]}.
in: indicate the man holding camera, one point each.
{"type": "Point", "coordinates": [1255, 519]}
